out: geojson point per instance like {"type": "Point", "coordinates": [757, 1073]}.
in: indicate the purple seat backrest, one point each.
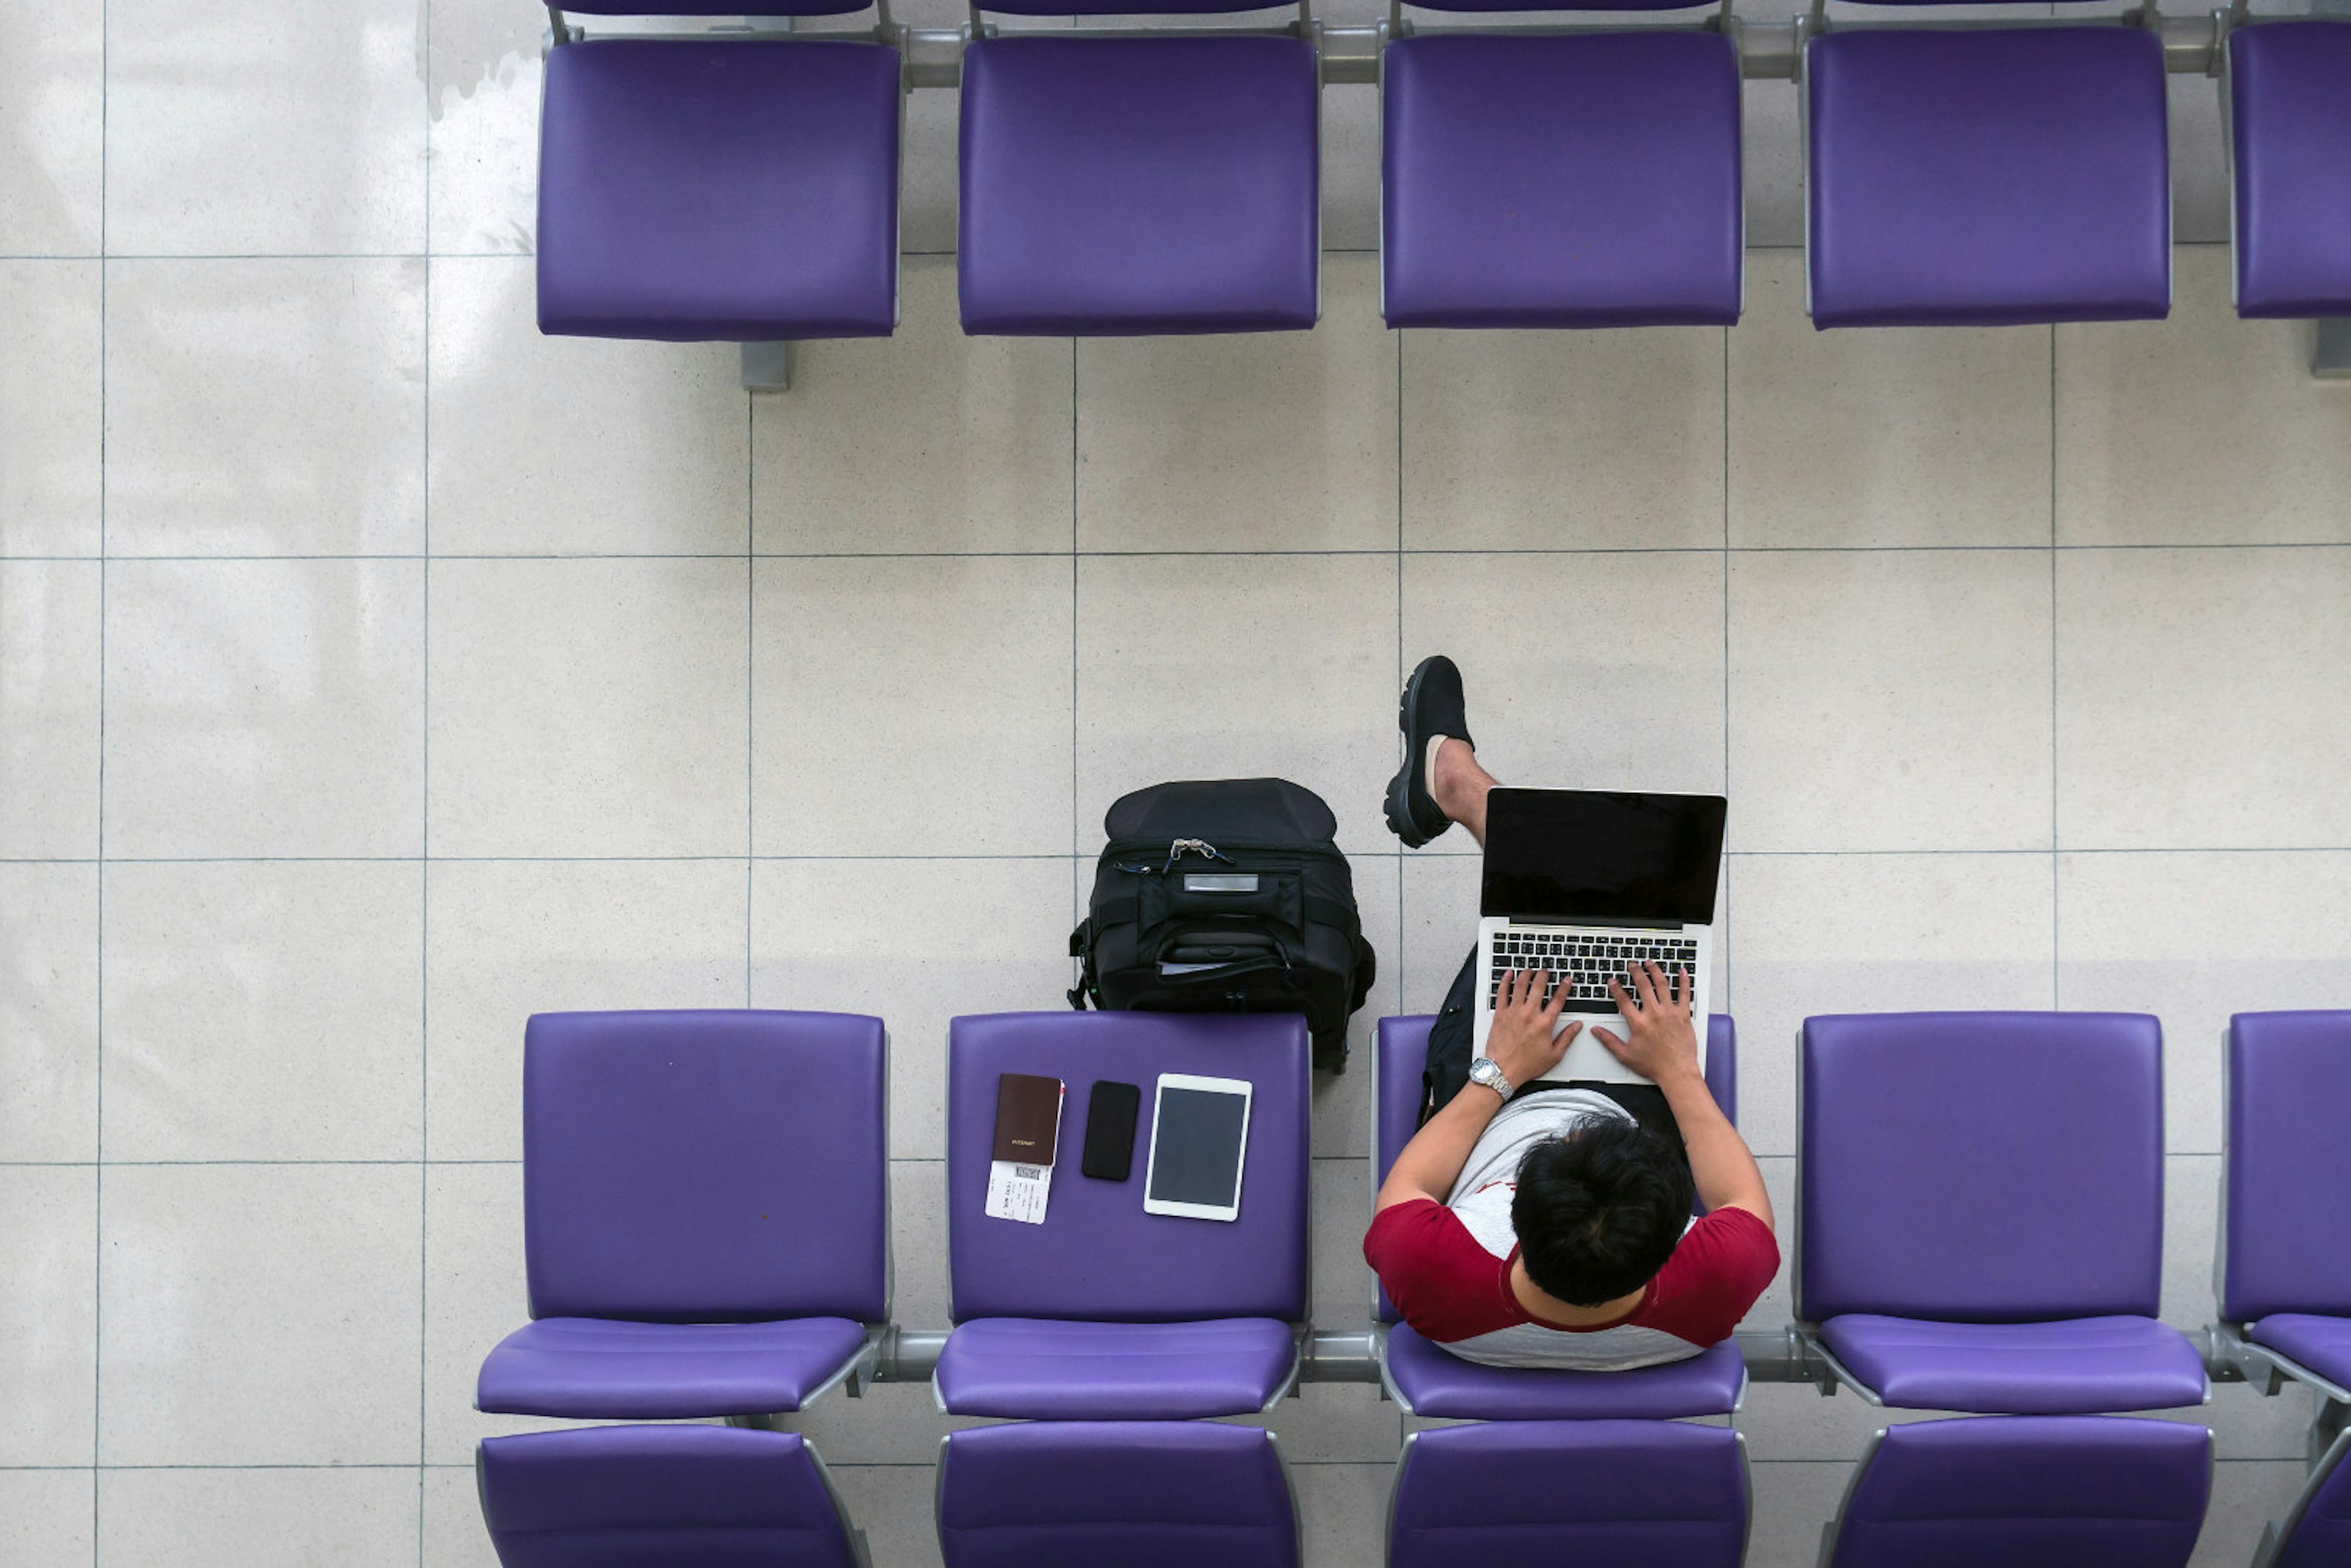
{"type": "Point", "coordinates": [720, 1167]}
{"type": "Point", "coordinates": [2318, 1531]}
{"type": "Point", "coordinates": [705, 8]}
{"type": "Point", "coordinates": [2286, 1231]}
{"type": "Point", "coordinates": [1980, 1168]}
{"type": "Point", "coordinates": [1401, 1051]}
{"type": "Point", "coordinates": [2028, 1491]}
{"type": "Point", "coordinates": [589, 1497]}
{"type": "Point", "coordinates": [1098, 1256]}
{"type": "Point", "coordinates": [2290, 131]}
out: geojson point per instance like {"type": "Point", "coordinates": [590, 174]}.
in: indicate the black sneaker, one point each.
{"type": "Point", "coordinates": [1432, 705]}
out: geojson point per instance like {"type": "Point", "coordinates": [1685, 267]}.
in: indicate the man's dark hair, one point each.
{"type": "Point", "coordinates": [1599, 1210]}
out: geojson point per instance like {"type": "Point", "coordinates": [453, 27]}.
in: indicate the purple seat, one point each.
{"type": "Point", "coordinates": [2286, 1240]}
{"type": "Point", "coordinates": [1138, 1494]}
{"type": "Point", "coordinates": [705, 1212]}
{"type": "Point", "coordinates": [2322, 1344]}
{"type": "Point", "coordinates": [2105, 1363]}
{"type": "Point", "coordinates": [1987, 177]}
{"type": "Point", "coordinates": [1656, 1493]}
{"type": "Point", "coordinates": [1138, 185]}
{"type": "Point", "coordinates": [743, 190]}
{"type": "Point", "coordinates": [1426, 1379]}
{"type": "Point", "coordinates": [2290, 123]}
{"type": "Point", "coordinates": [1157, 1317]}
{"type": "Point", "coordinates": [2026, 1492]}
{"type": "Point", "coordinates": [591, 1368]}
{"type": "Point", "coordinates": [689, 1497]}
{"type": "Point", "coordinates": [1042, 1368]}
{"type": "Point", "coordinates": [2317, 1532]}
{"type": "Point", "coordinates": [1994, 1178]}
{"type": "Point", "coordinates": [1567, 180]}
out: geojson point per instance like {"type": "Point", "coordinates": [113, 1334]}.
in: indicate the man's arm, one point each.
{"type": "Point", "coordinates": [1522, 1044]}
{"type": "Point", "coordinates": [1661, 1045]}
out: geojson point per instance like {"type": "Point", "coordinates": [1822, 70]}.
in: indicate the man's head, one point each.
{"type": "Point", "coordinates": [1598, 1210]}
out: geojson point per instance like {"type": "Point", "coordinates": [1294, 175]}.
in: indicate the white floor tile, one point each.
{"type": "Point", "coordinates": [2191, 1225]}
{"type": "Point", "coordinates": [260, 1315]}
{"type": "Point", "coordinates": [1893, 436]}
{"type": "Point", "coordinates": [2199, 698]}
{"type": "Point", "coordinates": [833, 936]}
{"type": "Point", "coordinates": [1771, 151]}
{"type": "Point", "coordinates": [1254, 441]}
{"type": "Point", "coordinates": [918, 1242]}
{"type": "Point", "coordinates": [1913, 685]}
{"type": "Point", "coordinates": [1334, 1423]}
{"type": "Point", "coordinates": [890, 1423]}
{"type": "Point", "coordinates": [1441, 923]}
{"type": "Point", "coordinates": [484, 82]}
{"type": "Point", "coordinates": [1341, 1199]}
{"type": "Point", "coordinates": [1791, 1501]}
{"type": "Point", "coordinates": [1238, 667]}
{"type": "Point", "coordinates": [510, 938]}
{"type": "Point", "coordinates": [475, 1293]}
{"type": "Point", "coordinates": [48, 1012]}
{"type": "Point", "coordinates": [49, 726]}
{"type": "Point", "coordinates": [2199, 166]}
{"type": "Point", "coordinates": [48, 1344]}
{"type": "Point", "coordinates": [2201, 429]}
{"type": "Point", "coordinates": [264, 707]}
{"type": "Point", "coordinates": [46, 1517]}
{"type": "Point", "coordinates": [894, 1506]}
{"type": "Point", "coordinates": [2245, 1497]}
{"type": "Point", "coordinates": [1342, 1101]}
{"type": "Point", "coordinates": [265, 407]}
{"type": "Point", "coordinates": [1537, 440]}
{"type": "Point", "coordinates": [926, 439]}
{"type": "Point", "coordinates": [2193, 939]}
{"type": "Point", "coordinates": [454, 1536]}
{"type": "Point", "coordinates": [50, 404]}
{"type": "Point", "coordinates": [577, 445]}
{"type": "Point", "coordinates": [1344, 1511]}
{"type": "Point", "coordinates": [52, 111]}
{"type": "Point", "coordinates": [265, 1011]}
{"type": "Point", "coordinates": [1834, 933]}
{"type": "Point", "coordinates": [911, 706]}
{"type": "Point", "coordinates": [590, 708]}
{"type": "Point", "coordinates": [1350, 163]}
{"type": "Point", "coordinates": [259, 1519]}
{"type": "Point", "coordinates": [330, 160]}
{"type": "Point", "coordinates": [927, 193]}
{"type": "Point", "coordinates": [1631, 698]}
{"type": "Point", "coordinates": [1775, 1309]}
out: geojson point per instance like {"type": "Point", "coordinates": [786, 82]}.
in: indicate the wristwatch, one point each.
{"type": "Point", "coordinates": [1483, 1070]}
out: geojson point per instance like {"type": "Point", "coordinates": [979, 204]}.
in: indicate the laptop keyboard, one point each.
{"type": "Point", "coordinates": [1584, 961]}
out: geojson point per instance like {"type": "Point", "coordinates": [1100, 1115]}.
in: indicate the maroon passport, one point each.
{"type": "Point", "coordinates": [1027, 1115]}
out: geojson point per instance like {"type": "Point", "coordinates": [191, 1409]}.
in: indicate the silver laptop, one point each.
{"type": "Point", "coordinates": [1585, 883]}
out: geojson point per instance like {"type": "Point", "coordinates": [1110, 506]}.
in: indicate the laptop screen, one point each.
{"type": "Point", "coordinates": [1582, 854]}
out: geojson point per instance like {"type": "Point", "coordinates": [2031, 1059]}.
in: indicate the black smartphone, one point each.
{"type": "Point", "coordinates": [1111, 1111]}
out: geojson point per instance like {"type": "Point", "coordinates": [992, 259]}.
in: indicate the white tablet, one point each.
{"type": "Point", "coordinates": [1199, 1136]}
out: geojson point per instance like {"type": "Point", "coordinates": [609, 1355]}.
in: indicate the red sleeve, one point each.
{"type": "Point", "coordinates": [1723, 1264]}
{"type": "Point", "coordinates": [1447, 1286]}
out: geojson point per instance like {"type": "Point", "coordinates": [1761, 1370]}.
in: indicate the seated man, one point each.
{"type": "Point", "coordinates": [1544, 1224]}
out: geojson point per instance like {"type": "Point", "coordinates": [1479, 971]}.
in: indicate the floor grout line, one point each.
{"type": "Point", "coordinates": [424, 876]}
{"type": "Point", "coordinates": [97, 1179]}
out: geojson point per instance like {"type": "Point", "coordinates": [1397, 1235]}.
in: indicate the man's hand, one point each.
{"type": "Point", "coordinates": [1659, 1042]}
{"type": "Point", "coordinates": [1522, 1042]}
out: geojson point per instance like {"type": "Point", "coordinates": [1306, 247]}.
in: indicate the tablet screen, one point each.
{"type": "Point", "coordinates": [1196, 1147]}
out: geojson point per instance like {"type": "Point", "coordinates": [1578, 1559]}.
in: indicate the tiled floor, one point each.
{"type": "Point", "coordinates": [374, 671]}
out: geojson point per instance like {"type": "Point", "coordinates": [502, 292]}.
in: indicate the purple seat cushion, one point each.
{"type": "Point", "coordinates": [1046, 1370]}
{"type": "Point", "coordinates": [2290, 108]}
{"type": "Point", "coordinates": [718, 191]}
{"type": "Point", "coordinates": [2082, 1367]}
{"type": "Point", "coordinates": [1098, 1256]}
{"type": "Point", "coordinates": [705, 1166]}
{"type": "Point", "coordinates": [1988, 177]}
{"type": "Point", "coordinates": [2028, 1493]}
{"type": "Point", "coordinates": [2320, 1344]}
{"type": "Point", "coordinates": [1988, 1168]}
{"type": "Point", "coordinates": [718, 1496]}
{"type": "Point", "coordinates": [2287, 1234]}
{"type": "Point", "coordinates": [1560, 181]}
{"type": "Point", "coordinates": [595, 1369]}
{"type": "Point", "coordinates": [1659, 1494]}
{"type": "Point", "coordinates": [1435, 1382]}
{"type": "Point", "coordinates": [1125, 1494]}
{"type": "Point", "coordinates": [1139, 185]}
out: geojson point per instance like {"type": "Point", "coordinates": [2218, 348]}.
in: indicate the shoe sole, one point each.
{"type": "Point", "coordinates": [1399, 796]}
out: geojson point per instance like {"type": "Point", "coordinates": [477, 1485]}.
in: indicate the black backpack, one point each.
{"type": "Point", "coordinates": [1226, 895]}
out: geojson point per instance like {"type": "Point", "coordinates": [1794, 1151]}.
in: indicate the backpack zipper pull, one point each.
{"type": "Point", "coordinates": [1177, 848]}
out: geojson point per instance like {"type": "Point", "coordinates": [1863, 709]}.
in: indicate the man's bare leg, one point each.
{"type": "Point", "coordinates": [1459, 784]}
